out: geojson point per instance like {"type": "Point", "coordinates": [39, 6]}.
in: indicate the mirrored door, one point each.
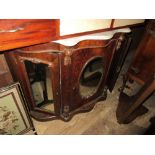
{"type": "Point", "coordinates": [40, 76]}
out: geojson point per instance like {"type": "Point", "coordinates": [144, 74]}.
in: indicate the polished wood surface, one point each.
{"type": "Point", "coordinates": [15, 33]}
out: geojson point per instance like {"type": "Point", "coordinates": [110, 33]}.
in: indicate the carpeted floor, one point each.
{"type": "Point", "coordinates": [102, 119]}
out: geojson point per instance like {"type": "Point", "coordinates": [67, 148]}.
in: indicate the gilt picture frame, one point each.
{"type": "Point", "coordinates": [14, 117]}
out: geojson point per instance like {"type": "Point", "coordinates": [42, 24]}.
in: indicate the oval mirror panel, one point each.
{"type": "Point", "coordinates": [91, 77]}
{"type": "Point", "coordinates": [41, 85]}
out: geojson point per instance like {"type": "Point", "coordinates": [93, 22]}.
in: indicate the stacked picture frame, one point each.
{"type": "Point", "coordinates": [14, 115]}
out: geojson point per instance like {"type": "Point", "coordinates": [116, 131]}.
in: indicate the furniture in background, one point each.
{"type": "Point", "coordinates": [14, 117]}
{"type": "Point", "coordinates": [130, 107]}
{"type": "Point", "coordinates": [141, 71]}
{"type": "Point", "coordinates": [16, 33]}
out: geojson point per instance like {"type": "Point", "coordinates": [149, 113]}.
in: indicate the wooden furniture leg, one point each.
{"type": "Point", "coordinates": [151, 128]}
{"type": "Point", "coordinates": [130, 107]}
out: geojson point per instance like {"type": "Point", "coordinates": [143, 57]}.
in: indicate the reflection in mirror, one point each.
{"type": "Point", "coordinates": [40, 81]}
{"type": "Point", "coordinates": [91, 77]}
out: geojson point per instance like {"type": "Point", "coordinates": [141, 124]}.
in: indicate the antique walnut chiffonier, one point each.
{"type": "Point", "coordinates": [64, 67]}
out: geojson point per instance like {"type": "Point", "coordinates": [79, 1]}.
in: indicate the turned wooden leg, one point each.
{"type": "Point", "coordinates": [130, 107]}
{"type": "Point", "coordinates": [125, 79]}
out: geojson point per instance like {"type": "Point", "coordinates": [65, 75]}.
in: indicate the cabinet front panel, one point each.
{"type": "Point", "coordinates": [39, 76]}
{"type": "Point", "coordinates": [87, 74]}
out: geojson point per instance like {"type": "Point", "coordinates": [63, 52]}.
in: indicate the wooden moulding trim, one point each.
{"type": "Point", "coordinates": [54, 47]}
{"type": "Point", "coordinates": [36, 60]}
{"type": "Point", "coordinates": [93, 45]}
{"type": "Point", "coordinates": [95, 36]}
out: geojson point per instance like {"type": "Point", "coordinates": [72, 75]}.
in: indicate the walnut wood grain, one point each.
{"type": "Point", "coordinates": [15, 33]}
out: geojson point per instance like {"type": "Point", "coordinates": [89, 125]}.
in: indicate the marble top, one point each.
{"type": "Point", "coordinates": [95, 36]}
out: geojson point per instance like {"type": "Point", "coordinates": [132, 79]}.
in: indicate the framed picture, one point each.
{"type": "Point", "coordinates": [14, 117]}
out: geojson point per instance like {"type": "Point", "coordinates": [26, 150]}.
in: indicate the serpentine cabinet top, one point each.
{"type": "Point", "coordinates": [96, 36]}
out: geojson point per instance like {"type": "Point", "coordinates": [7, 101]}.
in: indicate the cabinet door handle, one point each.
{"type": "Point", "coordinates": [12, 30]}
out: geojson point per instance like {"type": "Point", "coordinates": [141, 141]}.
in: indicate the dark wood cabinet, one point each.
{"type": "Point", "coordinates": [60, 81]}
